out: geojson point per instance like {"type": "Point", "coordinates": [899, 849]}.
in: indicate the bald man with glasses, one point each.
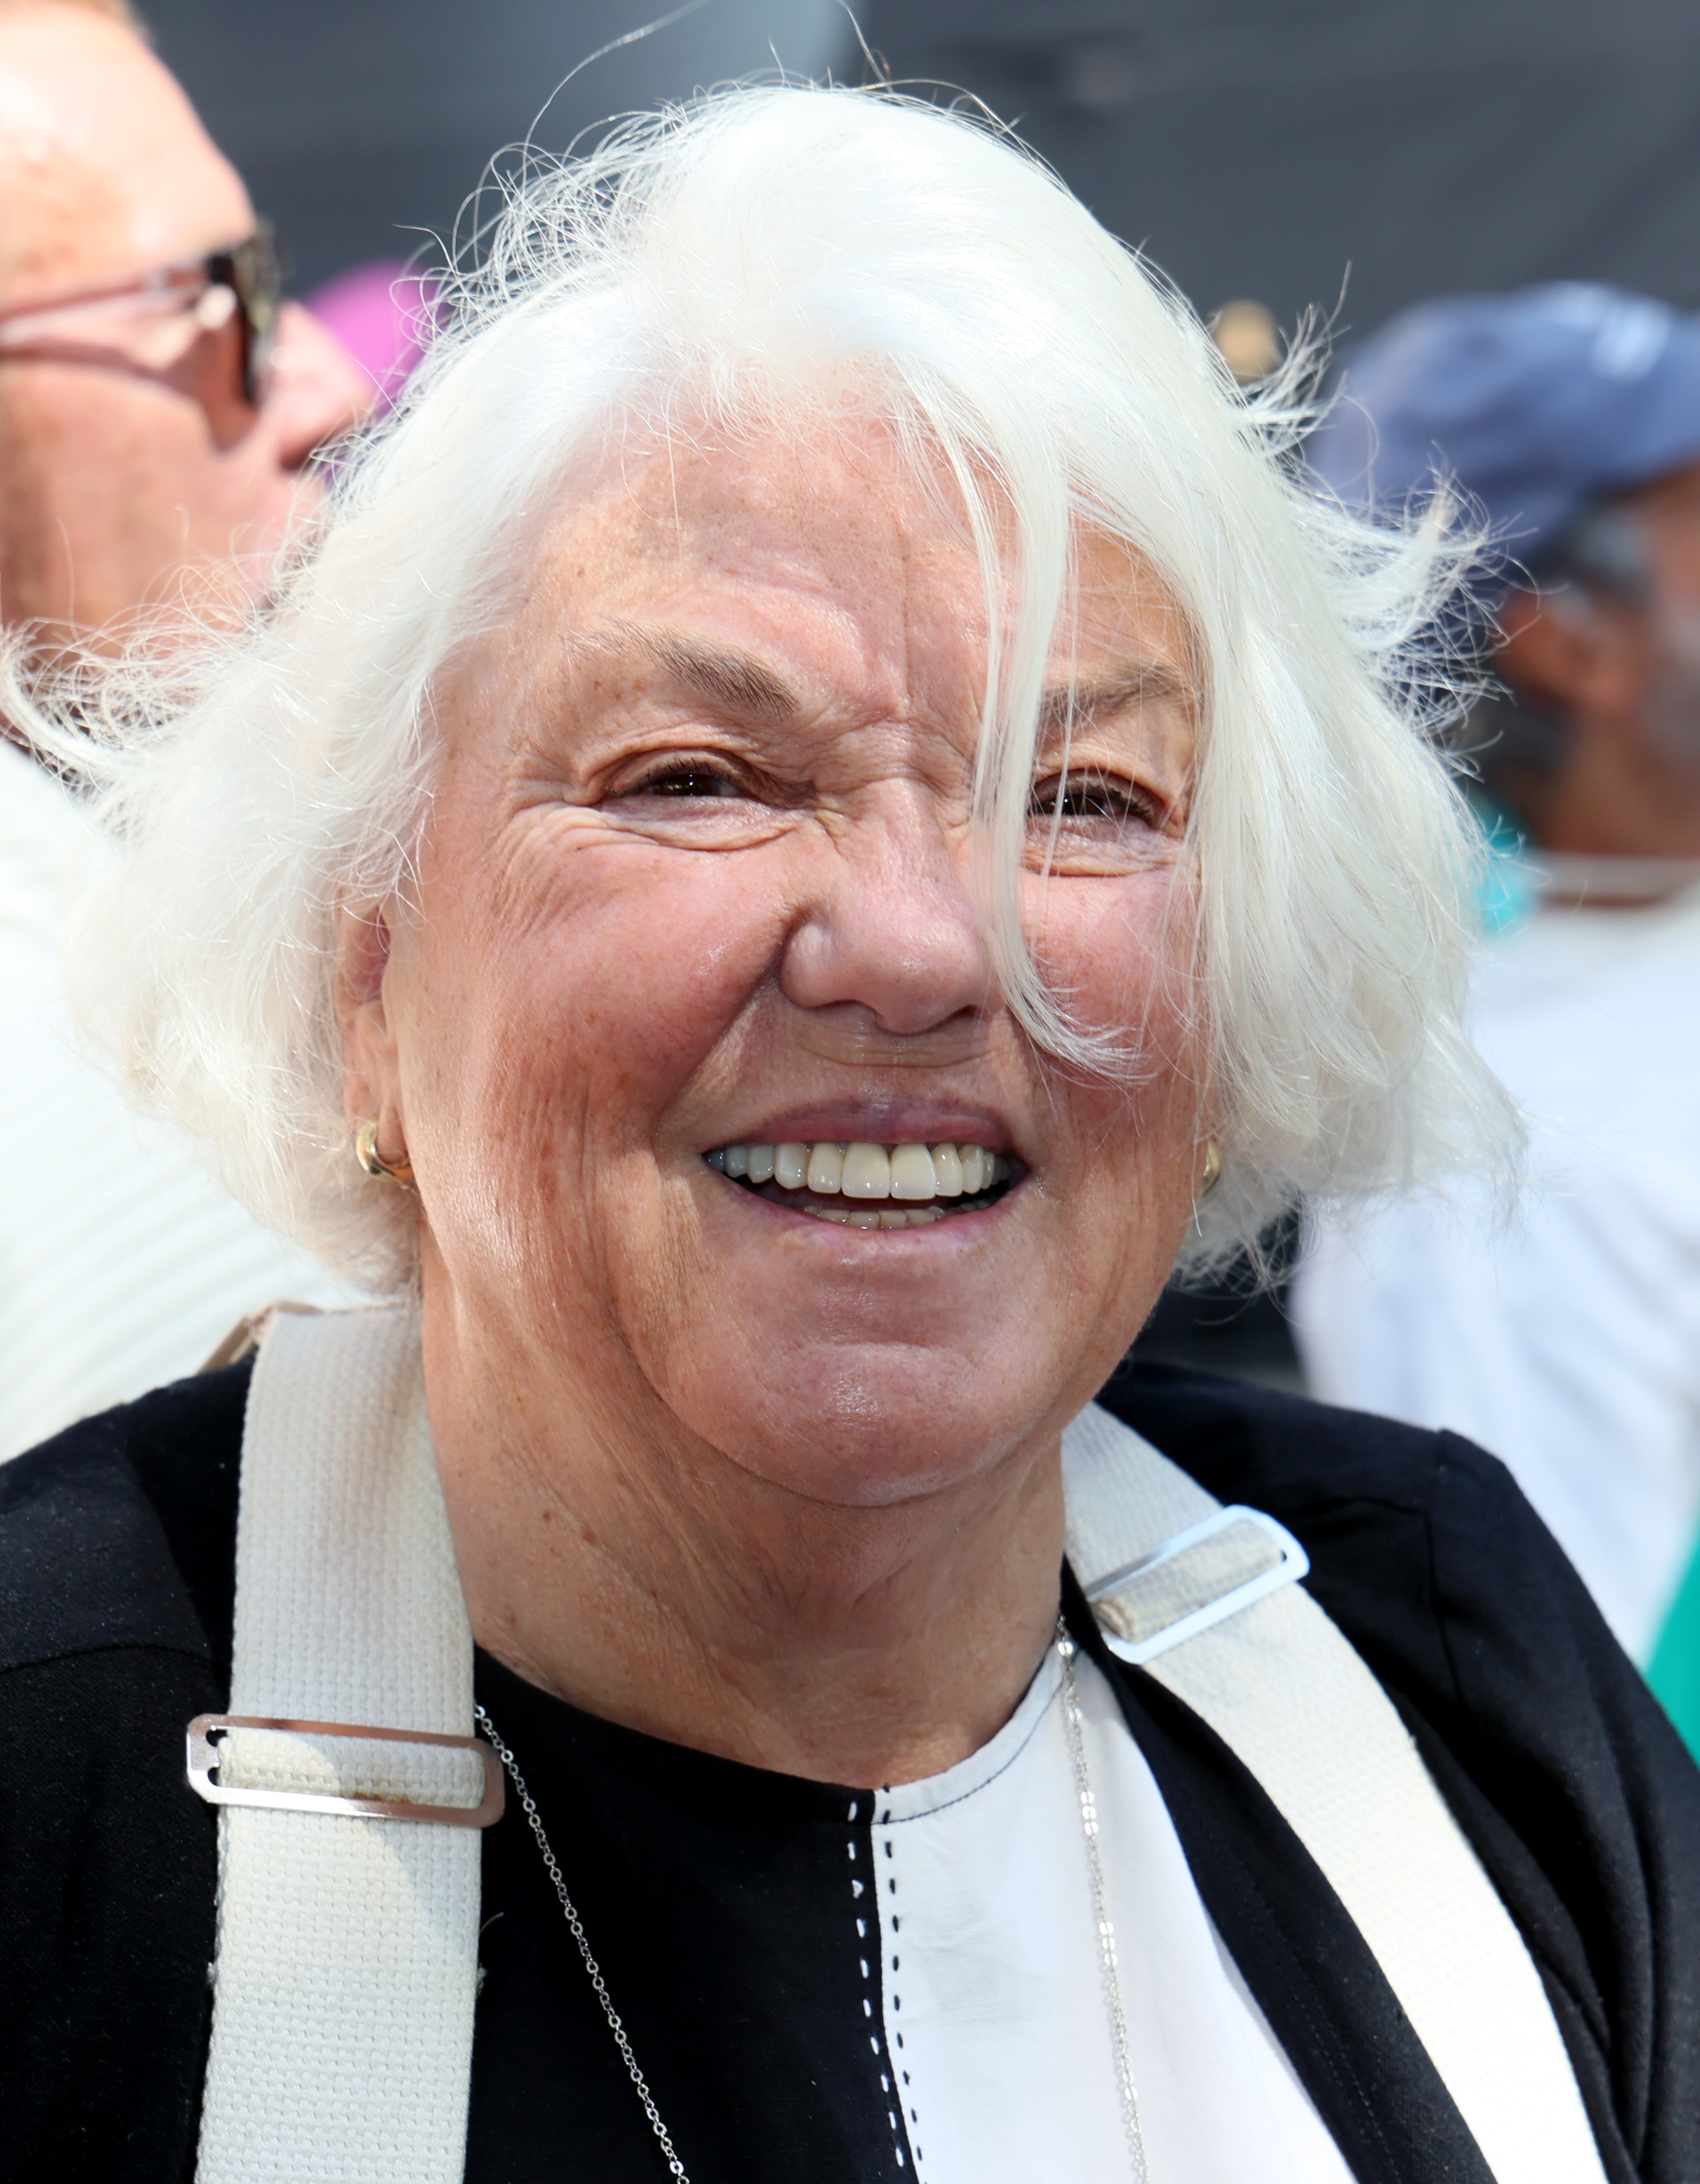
{"type": "Point", "coordinates": [157, 406]}
{"type": "Point", "coordinates": [160, 407]}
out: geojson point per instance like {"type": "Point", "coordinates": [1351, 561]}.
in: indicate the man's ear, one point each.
{"type": "Point", "coordinates": [370, 1071]}
{"type": "Point", "coordinates": [1569, 654]}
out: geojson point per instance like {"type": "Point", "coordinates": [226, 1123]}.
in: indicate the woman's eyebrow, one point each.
{"type": "Point", "coordinates": [1114, 689]}
{"type": "Point", "coordinates": [728, 676]}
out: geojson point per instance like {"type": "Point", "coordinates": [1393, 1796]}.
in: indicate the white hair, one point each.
{"type": "Point", "coordinates": [727, 259]}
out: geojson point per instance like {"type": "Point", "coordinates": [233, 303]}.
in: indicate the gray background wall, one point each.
{"type": "Point", "coordinates": [361, 125]}
{"type": "Point", "coordinates": [1263, 148]}
{"type": "Point", "coordinates": [1259, 148]}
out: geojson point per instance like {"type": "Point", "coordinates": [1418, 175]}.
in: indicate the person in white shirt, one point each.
{"type": "Point", "coordinates": [158, 408]}
{"type": "Point", "coordinates": [1568, 1339]}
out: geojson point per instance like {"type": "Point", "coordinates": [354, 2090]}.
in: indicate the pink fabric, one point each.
{"type": "Point", "coordinates": [384, 315]}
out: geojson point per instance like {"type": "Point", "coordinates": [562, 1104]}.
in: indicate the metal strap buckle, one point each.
{"type": "Point", "coordinates": [204, 1759]}
{"type": "Point", "coordinates": [1292, 1564]}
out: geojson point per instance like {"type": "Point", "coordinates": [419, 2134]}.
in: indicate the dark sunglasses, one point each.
{"type": "Point", "coordinates": [151, 322]}
{"type": "Point", "coordinates": [254, 273]}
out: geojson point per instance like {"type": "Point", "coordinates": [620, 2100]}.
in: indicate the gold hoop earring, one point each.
{"type": "Point", "coordinates": [1212, 1169]}
{"type": "Point", "coordinates": [373, 1161]}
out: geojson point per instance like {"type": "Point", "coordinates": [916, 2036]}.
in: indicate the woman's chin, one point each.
{"type": "Point", "coordinates": [872, 1427]}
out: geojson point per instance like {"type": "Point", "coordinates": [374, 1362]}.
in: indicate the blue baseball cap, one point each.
{"type": "Point", "coordinates": [1540, 404]}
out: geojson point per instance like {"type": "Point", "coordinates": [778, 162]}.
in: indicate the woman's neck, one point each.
{"type": "Point", "coordinates": [636, 1571]}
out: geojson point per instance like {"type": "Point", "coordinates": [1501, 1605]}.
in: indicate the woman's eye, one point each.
{"type": "Point", "coordinates": [689, 777]}
{"type": "Point", "coordinates": [1091, 796]}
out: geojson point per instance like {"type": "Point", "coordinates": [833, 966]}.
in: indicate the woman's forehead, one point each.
{"type": "Point", "coordinates": [838, 508]}
{"type": "Point", "coordinates": [830, 546]}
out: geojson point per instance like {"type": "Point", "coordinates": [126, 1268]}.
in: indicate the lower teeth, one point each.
{"type": "Point", "coordinates": [868, 1216]}
{"type": "Point", "coordinates": [878, 1216]}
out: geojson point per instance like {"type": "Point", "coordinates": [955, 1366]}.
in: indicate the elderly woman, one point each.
{"type": "Point", "coordinates": [823, 809]}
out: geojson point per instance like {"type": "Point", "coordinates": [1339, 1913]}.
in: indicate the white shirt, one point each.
{"type": "Point", "coordinates": [997, 2037]}
{"type": "Point", "coordinates": [1567, 1342]}
{"type": "Point", "coordinates": [122, 1264]}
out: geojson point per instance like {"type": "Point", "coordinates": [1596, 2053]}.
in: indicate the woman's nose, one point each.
{"type": "Point", "coordinates": [891, 927]}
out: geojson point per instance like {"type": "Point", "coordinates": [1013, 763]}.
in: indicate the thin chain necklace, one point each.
{"type": "Point", "coordinates": [576, 1926]}
{"type": "Point", "coordinates": [1072, 1725]}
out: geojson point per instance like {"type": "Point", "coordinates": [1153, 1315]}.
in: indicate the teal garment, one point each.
{"type": "Point", "coordinates": [1507, 896]}
{"type": "Point", "coordinates": [1674, 1671]}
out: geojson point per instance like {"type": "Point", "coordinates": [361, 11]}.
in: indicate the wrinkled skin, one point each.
{"type": "Point", "coordinates": [121, 491]}
{"type": "Point", "coordinates": [698, 872]}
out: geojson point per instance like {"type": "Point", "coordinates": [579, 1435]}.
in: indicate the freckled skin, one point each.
{"type": "Point", "coordinates": [808, 1474]}
{"type": "Point", "coordinates": [117, 489]}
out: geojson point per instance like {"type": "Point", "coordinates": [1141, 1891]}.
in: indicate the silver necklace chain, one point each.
{"type": "Point", "coordinates": [1108, 1968]}
{"type": "Point", "coordinates": [1110, 1974]}
{"type": "Point", "coordinates": [575, 1927]}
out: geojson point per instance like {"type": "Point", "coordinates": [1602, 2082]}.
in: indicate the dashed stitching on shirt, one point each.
{"type": "Point", "coordinates": [905, 2098]}
{"type": "Point", "coordinates": [887, 2062]}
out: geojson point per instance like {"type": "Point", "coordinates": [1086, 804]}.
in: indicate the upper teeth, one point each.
{"type": "Point", "coordinates": [863, 1171]}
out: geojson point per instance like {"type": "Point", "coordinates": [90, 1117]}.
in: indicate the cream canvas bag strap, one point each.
{"type": "Point", "coordinates": [347, 1962]}
{"type": "Point", "coordinates": [1203, 1598]}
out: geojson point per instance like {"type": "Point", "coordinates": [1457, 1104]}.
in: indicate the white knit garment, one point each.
{"type": "Point", "coordinates": [1285, 1689]}
{"type": "Point", "coordinates": [122, 1262]}
{"type": "Point", "coordinates": [347, 1949]}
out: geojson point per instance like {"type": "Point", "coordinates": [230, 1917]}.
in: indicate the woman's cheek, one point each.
{"type": "Point", "coordinates": [639, 968]}
{"type": "Point", "coordinates": [1118, 953]}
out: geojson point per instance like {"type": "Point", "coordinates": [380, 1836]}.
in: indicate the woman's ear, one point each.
{"type": "Point", "coordinates": [371, 1074]}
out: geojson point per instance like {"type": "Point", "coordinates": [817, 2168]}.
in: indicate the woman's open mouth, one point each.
{"type": "Point", "coordinates": [867, 1186]}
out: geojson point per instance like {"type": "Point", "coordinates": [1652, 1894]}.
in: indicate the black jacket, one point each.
{"type": "Point", "coordinates": [116, 1593]}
